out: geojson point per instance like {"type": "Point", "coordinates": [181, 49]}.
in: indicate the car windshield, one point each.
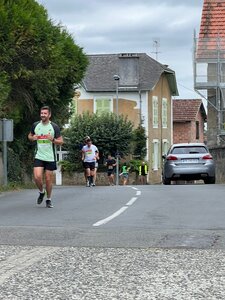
{"type": "Point", "coordinates": [189, 150]}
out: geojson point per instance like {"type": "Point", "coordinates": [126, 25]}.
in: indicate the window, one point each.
{"type": "Point", "coordinates": [189, 150]}
{"type": "Point", "coordinates": [155, 155]}
{"type": "Point", "coordinates": [103, 105]}
{"type": "Point", "coordinates": [197, 130]}
{"type": "Point", "coordinates": [155, 111]}
{"type": "Point", "coordinates": [164, 113]}
{"type": "Point", "coordinates": [165, 146]}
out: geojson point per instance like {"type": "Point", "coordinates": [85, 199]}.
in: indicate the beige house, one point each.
{"type": "Point", "coordinates": [144, 92]}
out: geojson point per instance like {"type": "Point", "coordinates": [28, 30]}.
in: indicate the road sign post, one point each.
{"type": "Point", "coordinates": [6, 135]}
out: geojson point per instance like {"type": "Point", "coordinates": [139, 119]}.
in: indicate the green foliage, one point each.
{"type": "Point", "coordinates": [139, 142]}
{"type": "Point", "coordinates": [108, 133]}
{"type": "Point", "coordinates": [67, 166]}
{"type": "Point", "coordinates": [14, 167]}
{"type": "Point", "coordinates": [16, 186]}
{"type": "Point", "coordinates": [39, 64]}
{"type": "Point", "coordinates": [39, 61]}
{"type": "Point", "coordinates": [135, 163]}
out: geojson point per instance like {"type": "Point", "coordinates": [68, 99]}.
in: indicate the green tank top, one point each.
{"type": "Point", "coordinates": [45, 149]}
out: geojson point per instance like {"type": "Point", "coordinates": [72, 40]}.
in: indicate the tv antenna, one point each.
{"type": "Point", "coordinates": [156, 45]}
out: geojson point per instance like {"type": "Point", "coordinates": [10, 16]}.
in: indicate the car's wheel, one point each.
{"type": "Point", "coordinates": [166, 181]}
{"type": "Point", "coordinates": [210, 180]}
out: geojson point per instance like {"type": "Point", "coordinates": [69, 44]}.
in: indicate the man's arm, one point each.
{"type": "Point", "coordinates": [32, 136]}
{"type": "Point", "coordinates": [58, 141]}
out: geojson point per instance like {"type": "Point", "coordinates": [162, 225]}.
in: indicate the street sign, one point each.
{"type": "Point", "coordinates": [6, 130]}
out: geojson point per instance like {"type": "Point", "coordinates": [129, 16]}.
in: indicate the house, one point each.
{"type": "Point", "coordinates": [142, 92]}
{"type": "Point", "coordinates": [189, 117]}
{"type": "Point", "coordinates": [209, 68]}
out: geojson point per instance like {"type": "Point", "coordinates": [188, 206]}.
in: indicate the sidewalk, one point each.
{"type": "Point", "coordinates": [107, 273]}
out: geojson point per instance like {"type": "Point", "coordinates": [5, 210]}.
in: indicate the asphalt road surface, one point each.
{"type": "Point", "coordinates": [132, 242]}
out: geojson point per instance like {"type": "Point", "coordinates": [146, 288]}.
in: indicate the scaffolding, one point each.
{"type": "Point", "coordinates": [209, 77]}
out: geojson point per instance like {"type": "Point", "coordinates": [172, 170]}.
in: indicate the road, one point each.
{"type": "Point", "coordinates": [132, 242]}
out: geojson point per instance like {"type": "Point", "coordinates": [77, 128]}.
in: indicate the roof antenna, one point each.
{"type": "Point", "coordinates": [156, 45]}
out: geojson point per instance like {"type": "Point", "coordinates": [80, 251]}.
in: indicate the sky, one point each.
{"type": "Point", "coordinates": [135, 26]}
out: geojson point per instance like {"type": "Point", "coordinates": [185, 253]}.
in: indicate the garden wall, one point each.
{"type": "Point", "coordinates": [218, 154]}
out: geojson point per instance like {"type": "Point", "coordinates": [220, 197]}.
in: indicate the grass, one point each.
{"type": "Point", "coordinates": [16, 186]}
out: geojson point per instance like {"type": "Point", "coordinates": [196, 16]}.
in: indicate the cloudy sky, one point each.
{"type": "Point", "coordinates": [106, 26]}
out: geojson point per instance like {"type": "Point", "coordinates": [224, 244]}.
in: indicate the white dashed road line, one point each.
{"type": "Point", "coordinates": [120, 211]}
{"type": "Point", "coordinates": [116, 214]}
{"type": "Point", "coordinates": [132, 200]}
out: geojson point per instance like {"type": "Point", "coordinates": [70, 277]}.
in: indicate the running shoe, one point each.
{"type": "Point", "coordinates": [49, 204]}
{"type": "Point", "coordinates": [41, 197]}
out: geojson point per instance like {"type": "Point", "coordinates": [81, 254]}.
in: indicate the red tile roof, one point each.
{"type": "Point", "coordinates": [212, 30]}
{"type": "Point", "coordinates": [187, 109]}
{"type": "Point", "coordinates": [213, 19]}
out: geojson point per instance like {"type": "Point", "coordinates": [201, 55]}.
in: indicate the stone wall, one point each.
{"type": "Point", "coordinates": [218, 153]}
{"type": "Point", "coordinates": [102, 179]}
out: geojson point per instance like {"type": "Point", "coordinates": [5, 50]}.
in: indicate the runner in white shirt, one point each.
{"type": "Point", "coordinates": [89, 157]}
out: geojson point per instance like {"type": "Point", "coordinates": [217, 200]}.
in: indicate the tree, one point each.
{"type": "Point", "coordinates": [39, 64]}
{"type": "Point", "coordinates": [139, 143]}
{"type": "Point", "coordinates": [108, 133]}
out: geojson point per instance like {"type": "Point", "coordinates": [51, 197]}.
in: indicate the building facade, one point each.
{"type": "Point", "coordinates": [189, 118]}
{"type": "Point", "coordinates": [142, 92]}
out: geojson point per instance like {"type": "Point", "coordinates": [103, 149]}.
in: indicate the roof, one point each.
{"type": "Point", "coordinates": [212, 30]}
{"type": "Point", "coordinates": [213, 19]}
{"type": "Point", "coordinates": [187, 109]}
{"type": "Point", "coordinates": [137, 71]}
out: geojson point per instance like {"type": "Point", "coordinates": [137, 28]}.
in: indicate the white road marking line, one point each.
{"type": "Point", "coordinates": [132, 200]}
{"type": "Point", "coordinates": [120, 211]}
{"type": "Point", "coordinates": [106, 220]}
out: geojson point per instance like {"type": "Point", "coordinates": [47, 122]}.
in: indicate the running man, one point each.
{"type": "Point", "coordinates": [110, 164]}
{"type": "Point", "coordinates": [47, 135]}
{"type": "Point", "coordinates": [89, 157]}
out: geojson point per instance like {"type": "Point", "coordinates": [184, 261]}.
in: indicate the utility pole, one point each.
{"type": "Point", "coordinates": [117, 78]}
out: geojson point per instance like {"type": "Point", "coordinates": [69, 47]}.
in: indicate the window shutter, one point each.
{"type": "Point", "coordinates": [155, 111]}
{"type": "Point", "coordinates": [102, 105]}
{"type": "Point", "coordinates": [164, 112]}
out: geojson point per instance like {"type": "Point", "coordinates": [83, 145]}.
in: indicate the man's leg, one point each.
{"type": "Point", "coordinates": [88, 176]}
{"type": "Point", "coordinates": [95, 176]}
{"type": "Point", "coordinates": [92, 174]}
{"type": "Point", "coordinates": [112, 179]}
{"type": "Point", "coordinates": [48, 181]}
{"type": "Point", "coordinates": [38, 178]}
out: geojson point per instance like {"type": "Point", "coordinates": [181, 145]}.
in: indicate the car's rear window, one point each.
{"type": "Point", "coordinates": [189, 150]}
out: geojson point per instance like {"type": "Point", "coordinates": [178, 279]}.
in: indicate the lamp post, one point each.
{"type": "Point", "coordinates": [117, 78]}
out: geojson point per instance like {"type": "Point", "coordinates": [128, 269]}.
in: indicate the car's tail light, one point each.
{"type": "Point", "coordinates": [171, 157]}
{"type": "Point", "coordinates": [207, 156]}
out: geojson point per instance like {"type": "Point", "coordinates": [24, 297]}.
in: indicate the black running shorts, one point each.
{"type": "Point", "coordinates": [89, 165]}
{"type": "Point", "coordinates": [47, 165]}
